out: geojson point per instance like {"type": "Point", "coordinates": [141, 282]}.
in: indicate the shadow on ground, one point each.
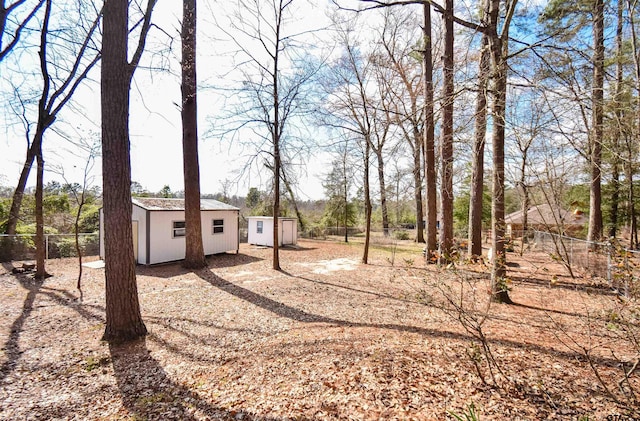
{"type": "Point", "coordinates": [216, 261]}
{"type": "Point", "coordinates": [149, 393]}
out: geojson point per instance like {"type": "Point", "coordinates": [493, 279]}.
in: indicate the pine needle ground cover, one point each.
{"type": "Point", "coordinates": [326, 338]}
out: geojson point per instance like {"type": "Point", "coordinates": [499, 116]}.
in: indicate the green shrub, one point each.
{"type": "Point", "coordinates": [401, 235]}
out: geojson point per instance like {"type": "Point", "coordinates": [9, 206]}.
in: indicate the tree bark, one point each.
{"type": "Point", "coordinates": [275, 133]}
{"type": "Point", "coordinates": [595, 197]}
{"type": "Point", "coordinates": [615, 167]}
{"type": "Point", "coordinates": [417, 182]}
{"type": "Point", "coordinates": [292, 196]}
{"type": "Point", "coordinates": [499, 52]}
{"type": "Point", "coordinates": [18, 194]}
{"type": "Point", "coordinates": [429, 141]}
{"type": "Point", "coordinates": [194, 250]}
{"type": "Point", "coordinates": [345, 185]}
{"type": "Point", "coordinates": [41, 251]}
{"type": "Point", "coordinates": [383, 192]}
{"type": "Point", "coordinates": [367, 201]}
{"type": "Point", "coordinates": [44, 120]}
{"type": "Point", "coordinates": [123, 318]}
{"type": "Point", "coordinates": [446, 223]}
{"type": "Point", "coordinates": [477, 176]}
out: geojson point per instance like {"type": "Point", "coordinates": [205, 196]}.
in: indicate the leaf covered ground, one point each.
{"type": "Point", "coordinates": [325, 338]}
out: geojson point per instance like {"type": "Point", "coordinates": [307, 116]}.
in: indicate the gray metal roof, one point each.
{"type": "Point", "coordinates": [285, 218]}
{"type": "Point", "coordinates": [162, 204]}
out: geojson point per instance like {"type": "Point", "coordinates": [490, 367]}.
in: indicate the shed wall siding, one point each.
{"type": "Point", "coordinates": [165, 248]}
{"type": "Point", "coordinates": [264, 239]}
{"type": "Point", "coordinates": [140, 215]}
{"type": "Point", "coordinates": [287, 229]}
{"type": "Point", "coordinates": [222, 242]}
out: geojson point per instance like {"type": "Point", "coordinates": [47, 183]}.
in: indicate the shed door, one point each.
{"type": "Point", "coordinates": [287, 232]}
{"type": "Point", "coordinates": [134, 228]}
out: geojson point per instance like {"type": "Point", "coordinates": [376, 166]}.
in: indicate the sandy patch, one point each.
{"type": "Point", "coordinates": [324, 267]}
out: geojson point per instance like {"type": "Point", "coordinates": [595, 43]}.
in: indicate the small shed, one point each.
{"type": "Point", "coordinates": [159, 231]}
{"type": "Point", "coordinates": [546, 218]}
{"type": "Point", "coordinates": [260, 231]}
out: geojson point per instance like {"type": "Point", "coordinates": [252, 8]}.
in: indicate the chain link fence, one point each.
{"type": "Point", "coordinates": [608, 261]}
{"type": "Point", "coordinates": [23, 246]}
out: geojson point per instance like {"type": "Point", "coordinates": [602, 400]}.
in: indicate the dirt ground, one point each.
{"type": "Point", "coordinates": [325, 338]}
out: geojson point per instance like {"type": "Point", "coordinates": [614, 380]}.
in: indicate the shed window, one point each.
{"type": "Point", "coordinates": [259, 227]}
{"type": "Point", "coordinates": [179, 229]}
{"type": "Point", "coordinates": [218, 226]}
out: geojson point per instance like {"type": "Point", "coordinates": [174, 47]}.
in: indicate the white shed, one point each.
{"type": "Point", "coordinates": [260, 230]}
{"type": "Point", "coordinates": [159, 229]}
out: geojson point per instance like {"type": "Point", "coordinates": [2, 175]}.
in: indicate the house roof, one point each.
{"type": "Point", "coordinates": [162, 204]}
{"type": "Point", "coordinates": [546, 215]}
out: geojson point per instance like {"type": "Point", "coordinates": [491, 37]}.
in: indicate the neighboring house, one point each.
{"type": "Point", "coordinates": [546, 218]}
{"type": "Point", "coordinates": [260, 230]}
{"type": "Point", "coordinates": [159, 229]}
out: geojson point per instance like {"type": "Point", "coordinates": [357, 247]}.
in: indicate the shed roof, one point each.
{"type": "Point", "coordinates": [165, 204]}
{"type": "Point", "coordinates": [546, 215]}
{"type": "Point", "coordinates": [281, 218]}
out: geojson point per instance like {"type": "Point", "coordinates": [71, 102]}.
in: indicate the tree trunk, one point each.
{"type": "Point", "coordinates": [18, 194]}
{"type": "Point", "coordinates": [41, 251]}
{"type": "Point", "coordinates": [194, 250]}
{"type": "Point", "coordinates": [429, 141]}
{"type": "Point", "coordinates": [275, 133]}
{"type": "Point", "coordinates": [499, 52]}
{"type": "Point", "coordinates": [123, 318]}
{"type": "Point", "coordinates": [345, 184]}
{"type": "Point", "coordinates": [44, 121]}
{"type": "Point", "coordinates": [383, 193]}
{"type": "Point", "coordinates": [615, 167]}
{"type": "Point", "coordinates": [417, 182]}
{"type": "Point", "coordinates": [292, 196]}
{"type": "Point", "coordinates": [367, 201]}
{"type": "Point", "coordinates": [595, 198]}
{"type": "Point", "coordinates": [446, 223]}
{"type": "Point", "coordinates": [633, 240]}
{"type": "Point", "coordinates": [498, 275]}
{"type": "Point", "coordinates": [76, 231]}
{"type": "Point", "coordinates": [276, 205]}
{"type": "Point", "coordinates": [477, 176]}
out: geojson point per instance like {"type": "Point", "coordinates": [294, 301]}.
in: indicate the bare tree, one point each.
{"type": "Point", "coordinates": [123, 318]}
{"type": "Point", "coordinates": [595, 139]}
{"type": "Point", "coordinates": [194, 250]}
{"type": "Point", "coordinates": [619, 117]}
{"type": "Point", "coordinates": [349, 106]}
{"type": "Point", "coordinates": [81, 196]}
{"type": "Point", "coordinates": [272, 92]}
{"type": "Point", "coordinates": [55, 94]}
{"type": "Point", "coordinates": [407, 92]}
{"type": "Point", "coordinates": [477, 176]}
{"type": "Point", "coordinates": [58, 89]}
{"type": "Point", "coordinates": [429, 139]}
{"type": "Point", "coordinates": [446, 147]}
{"type": "Point", "coordinates": [6, 10]}
{"type": "Point", "coordinates": [382, 121]}
{"type": "Point", "coordinates": [498, 32]}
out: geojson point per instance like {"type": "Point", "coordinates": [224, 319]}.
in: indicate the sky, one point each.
{"type": "Point", "coordinates": [155, 123]}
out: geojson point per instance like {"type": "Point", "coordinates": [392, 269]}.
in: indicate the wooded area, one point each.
{"type": "Point", "coordinates": [433, 120]}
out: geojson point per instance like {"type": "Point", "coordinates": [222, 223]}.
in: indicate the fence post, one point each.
{"type": "Point", "coordinates": [46, 246]}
